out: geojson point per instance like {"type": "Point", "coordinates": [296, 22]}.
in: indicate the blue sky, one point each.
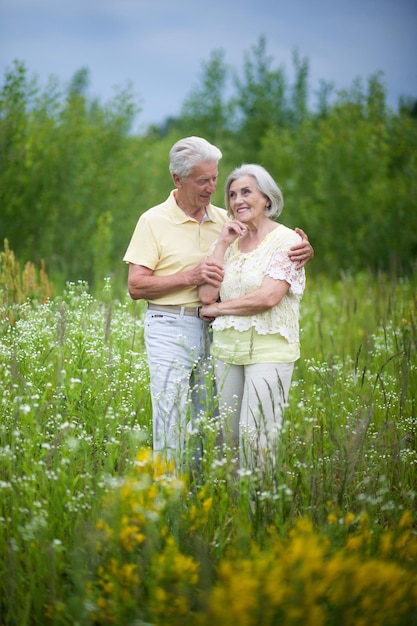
{"type": "Point", "coordinates": [159, 45]}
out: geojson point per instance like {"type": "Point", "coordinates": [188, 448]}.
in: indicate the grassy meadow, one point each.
{"type": "Point", "coordinates": [94, 530]}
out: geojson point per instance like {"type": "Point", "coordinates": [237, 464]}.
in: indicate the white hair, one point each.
{"type": "Point", "coordinates": [264, 183]}
{"type": "Point", "coordinates": [189, 152]}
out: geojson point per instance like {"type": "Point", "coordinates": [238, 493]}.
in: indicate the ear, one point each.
{"type": "Point", "coordinates": [177, 181]}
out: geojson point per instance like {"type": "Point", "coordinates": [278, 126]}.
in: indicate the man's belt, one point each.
{"type": "Point", "coordinates": [193, 311]}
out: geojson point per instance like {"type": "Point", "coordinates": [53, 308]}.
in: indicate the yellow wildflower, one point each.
{"type": "Point", "coordinates": [332, 519]}
{"type": "Point", "coordinates": [385, 544]}
{"type": "Point", "coordinates": [130, 535]}
{"type": "Point", "coordinates": [207, 505]}
{"type": "Point", "coordinates": [349, 518]}
{"type": "Point", "coordinates": [102, 525]}
{"type": "Point", "coordinates": [129, 576]}
{"type": "Point", "coordinates": [406, 520]}
{"type": "Point", "coordinates": [354, 542]}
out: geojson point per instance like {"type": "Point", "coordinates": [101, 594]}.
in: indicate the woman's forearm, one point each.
{"type": "Point", "coordinates": [268, 296]}
{"type": "Point", "coordinates": [208, 293]}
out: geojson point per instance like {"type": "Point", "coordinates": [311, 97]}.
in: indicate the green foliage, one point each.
{"type": "Point", "coordinates": [74, 178]}
{"type": "Point", "coordinates": [349, 179]}
{"type": "Point", "coordinates": [95, 529]}
{"type": "Point", "coordinates": [63, 166]}
{"type": "Point", "coordinates": [261, 100]}
{"type": "Point", "coordinates": [205, 111]}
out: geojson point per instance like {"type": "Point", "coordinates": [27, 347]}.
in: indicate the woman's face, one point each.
{"type": "Point", "coordinates": [246, 201]}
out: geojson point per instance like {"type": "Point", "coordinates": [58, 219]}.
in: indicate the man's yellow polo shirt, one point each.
{"type": "Point", "coordinates": [168, 241]}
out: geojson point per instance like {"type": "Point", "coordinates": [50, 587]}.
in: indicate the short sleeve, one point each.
{"type": "Point", "coordinates": [143, 248]}
{"type": "Point", "coordinates": [281, 268]}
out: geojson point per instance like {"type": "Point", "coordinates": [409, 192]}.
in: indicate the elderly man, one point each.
{"type": "Point", "coordinates": [167, 263]}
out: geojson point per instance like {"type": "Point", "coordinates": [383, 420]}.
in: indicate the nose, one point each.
{"type": "Point", "coordinates": [211, 186]}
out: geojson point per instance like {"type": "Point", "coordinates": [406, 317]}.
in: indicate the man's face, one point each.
{"type": "Point", "coordinates": [194, 192]}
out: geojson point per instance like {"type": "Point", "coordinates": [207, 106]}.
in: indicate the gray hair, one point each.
{"type": "Point", "coordinates": [189, 152]}
{"type": "Point", "coordinates": [264, 183]}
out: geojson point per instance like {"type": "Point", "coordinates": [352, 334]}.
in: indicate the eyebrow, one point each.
{"type": "Point", "coordinates": [203, 179]}
{"type": "Point", "coordinates": [245, 188]}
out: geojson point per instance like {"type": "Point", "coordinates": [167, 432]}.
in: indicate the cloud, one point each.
{"type": "Point", "coordinates": [159, 45]}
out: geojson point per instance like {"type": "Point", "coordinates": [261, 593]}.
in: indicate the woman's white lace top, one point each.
{"type": "Point", "coordinates": [245, 272]}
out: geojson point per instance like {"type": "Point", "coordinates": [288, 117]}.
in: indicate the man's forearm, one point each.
{"type": "Point", "coordinates": [154, 287]}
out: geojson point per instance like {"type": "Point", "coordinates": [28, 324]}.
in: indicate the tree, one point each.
{"type": "Point", "coordinates": [205, 111]}
{"type": "Point", "coordinates": [349, 179]}
{"type": "Point", "coordinates": [261, 101]}
{"type": "Point", "coordinates": [62, 168]}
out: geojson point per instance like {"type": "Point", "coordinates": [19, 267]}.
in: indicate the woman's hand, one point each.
{"type": "Point", "coordinates": [208, 312]}
{"type": "Point", "coordinates": [209, 290]}
{"type": "Point", "coordinates": [232, 231]}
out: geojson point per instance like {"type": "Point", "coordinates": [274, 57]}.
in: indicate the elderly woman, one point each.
{"type": "Point", "coordinates": [255, 313]}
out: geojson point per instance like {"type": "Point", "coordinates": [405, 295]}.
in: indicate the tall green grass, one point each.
{"type": "Point", "coordinates": [95, 531]}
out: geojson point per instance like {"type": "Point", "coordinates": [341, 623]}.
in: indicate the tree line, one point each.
{"type": "Point", "coordinates": [75, 176]}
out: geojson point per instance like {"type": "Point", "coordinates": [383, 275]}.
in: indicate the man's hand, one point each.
{"type": "Point", "coordinates": [207, 272]}
{"type": "Point", "coordinates": [143, 284]}
{"type": "Point", "coordinates": [302, 252]}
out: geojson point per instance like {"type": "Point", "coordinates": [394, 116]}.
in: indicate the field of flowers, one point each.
{"type": "Point", "coordinates": [95, 530]}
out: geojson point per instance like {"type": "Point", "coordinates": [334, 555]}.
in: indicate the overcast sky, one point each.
{"type": "Point", "coordinates": [159, 45]}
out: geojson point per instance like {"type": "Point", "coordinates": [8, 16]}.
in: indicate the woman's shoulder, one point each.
{"type": "Point", "coordinates": [284, 233]}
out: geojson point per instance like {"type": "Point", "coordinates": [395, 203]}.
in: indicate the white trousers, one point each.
{"type": "Point", "coordinates": [177, 348]}
{"type": "Point", "coordinates": [252, 399]}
